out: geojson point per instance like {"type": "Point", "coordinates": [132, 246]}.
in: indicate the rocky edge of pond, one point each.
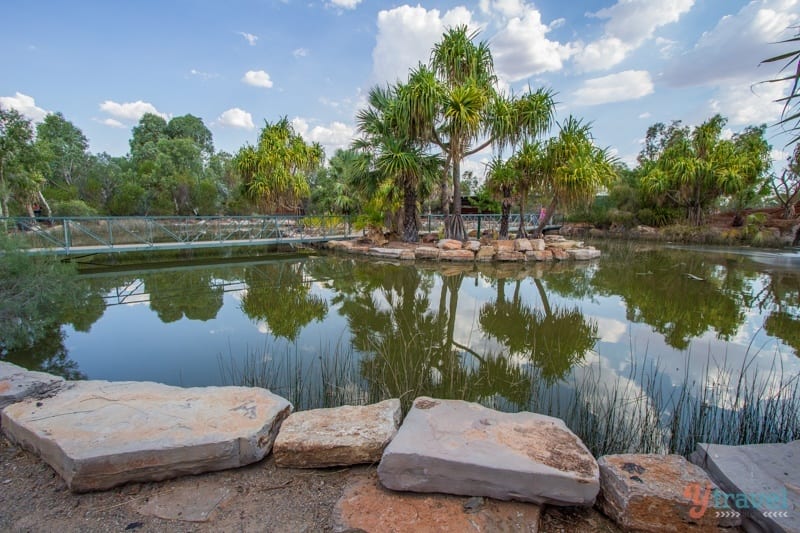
{"type": "Point", "coordinates": [449, 465]}
{"type": "Point", "coordinates": [549, 248]}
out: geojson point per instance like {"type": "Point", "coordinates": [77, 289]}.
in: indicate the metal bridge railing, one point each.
{"type": "Point", "coordinates": [67, 235]}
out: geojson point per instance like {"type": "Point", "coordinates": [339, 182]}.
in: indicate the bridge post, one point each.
{"type": "Point", "coordinates": [66, 235]}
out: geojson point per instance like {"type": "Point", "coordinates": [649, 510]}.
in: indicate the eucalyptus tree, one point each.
{"type": "Point", "coordinates": [569, 169]}
{"type": "Point", "coordinates": [65, 148]}
{"type": "Point", "coordinates": [695, 169]}
{"type": "Point", "coordinates": [20, 175]}
{"type": "Point", "coordinates": [276, 170]}
{"type": "Point", "coordinates": [453, 104]}
{"type": "Point", "coordinates": [396, 155]}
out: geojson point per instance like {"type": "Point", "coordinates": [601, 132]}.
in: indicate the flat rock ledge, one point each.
{"type": "Point", "coordinates": [760, 481]}
{"type": "Point", "coordinates": [551, 248]}
{"type": "Point", "coordinates": [99, 434]}
{"type": "Point", "coordinates": [654, 493]}
{"type": "Point", "coordinates": [458, 447]}
{"type": "Point", "coordinates": [339, 436]}
{"type": "Point", "coordinates": [366, 506]}
{"type": "Point", "coordinates": [17, 384]}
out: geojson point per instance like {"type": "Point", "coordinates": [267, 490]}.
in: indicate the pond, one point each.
{"type": "Point", "coordinates": [324, 330]}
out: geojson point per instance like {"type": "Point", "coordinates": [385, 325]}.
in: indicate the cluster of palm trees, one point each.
{"type": "Point", "coordinates": [418, 132]}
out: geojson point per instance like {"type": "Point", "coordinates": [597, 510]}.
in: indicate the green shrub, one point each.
{"type": "Point", "coordinates": [74, 208]}
{"type": "Point", "coordinates": [621, 218]}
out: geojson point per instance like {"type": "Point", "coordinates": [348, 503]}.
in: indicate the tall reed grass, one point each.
{"type": "Point", "coordinates": [641, 411]}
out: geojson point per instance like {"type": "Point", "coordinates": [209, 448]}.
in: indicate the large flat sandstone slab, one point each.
{"type": "Point", "coordinates": [98, 434]}
{"type": "Point", "coordinates": [16, 383]}
{"type": "Point", "coordinates": [338, 436]}
{"type": "Point", "coordinates": [366, 506]}
{"type": "Point", "coordinates": [762, 481]}
{"type": "Point", "coordinates": [459, 447]}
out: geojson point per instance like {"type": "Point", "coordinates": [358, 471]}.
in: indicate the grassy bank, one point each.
{"type": "Point", "coordinates": [643, 411]}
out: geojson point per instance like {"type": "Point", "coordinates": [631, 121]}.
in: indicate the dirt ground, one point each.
{"type": "Point", "coordinates": [259, 497]}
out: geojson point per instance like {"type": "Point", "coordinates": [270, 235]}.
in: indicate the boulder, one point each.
{"type": "Point", "coordinates": [486, 253]}
{"type": "Point", "coordinates": [407, 255]}
{"type": "Point", "coordinates": [522, 245]}
{"type": "Point", "coordinates": [456, 255]}
{"type": "Point", "coordinates": [650, 492]}
{"type": "Point", "coordinates": [459, 447]}
{"type": "Point", "coordinates": [426, 252]}
{"type": "Point", "coordinates": [537, 245]}
{"type": "Point", "coordinates": [761, 480]}
{"type": "Point", "coordinates": [564, 244]}
{"type": "Point", "coordinates": [509, 256]}
{"type": "Point", "coordinates": [559, 254]}
{"type": "Point", "coordinates": [504, 246]}
{"type": "Point", "coordinates": [389, 253]}
{"type": "Point", "coordinates": [536, 255]}
{"type": "Point", "coordinates": [358, 249]}
{"type": "Point", "coordinates": [449, 244]}
{"type": "Point", "coordinates": [339, 436]}
{"type": "Point", "coordinates": [98, 434]}
{"type": "Point", "coordinates": [366, 506]}
{"type": "Point", "coordinates": [472, 246]}
{"type": "Point", "coordinates": [16, 384]}
{"type": "Point", "coordinates": [583, 254]}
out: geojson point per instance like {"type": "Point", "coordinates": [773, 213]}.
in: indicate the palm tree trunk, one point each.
{"type": "Point", "coordinates": [454, 229]}
{"type": "Point", "coordinates": [522, 233]}
{"type": "Point", "coordinates": [546, 218]}
{"type": "Point", "coordinates": [505, 211]}
{"type": "Point", "coordinates": [410, 228]}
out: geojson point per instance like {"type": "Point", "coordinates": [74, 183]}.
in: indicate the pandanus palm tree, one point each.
{"type": "Point", "coordinates": [500, 182]}
{"type": "Point", "coordinates": [397, 156]}
{"type": "Point", "coordinates": [454, 105]}
{"type": "Point", "coordinates": [571, 169]}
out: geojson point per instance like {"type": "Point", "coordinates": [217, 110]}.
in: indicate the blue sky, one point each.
{"type": "Point", "coordinates": [622, 64]}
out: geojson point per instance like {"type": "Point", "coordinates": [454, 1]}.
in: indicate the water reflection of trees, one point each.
{"type": "Point", "coordinates": [280, 295]}
{"type": "Point", "coordinates": [780, 297]}
{"type": "Point", "coordinates": [552, 338]}
{"type": "Point", "coordinates": [681, 296]}
{"type": "Point", "coordinates": [188, 293]}
{"type": "Point", "coordinates": [408, 334]}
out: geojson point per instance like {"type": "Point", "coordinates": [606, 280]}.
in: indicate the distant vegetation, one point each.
{"type": "Point", "coordinates": [414, 138]}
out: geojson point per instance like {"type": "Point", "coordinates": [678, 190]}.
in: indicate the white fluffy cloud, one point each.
{"type": "Point", "coordinates": [746, 105]}
{"type": "Point", "coordinates": [733, 49]}
{"type": "Point", "coordinates": [249, 37]}
{"type": "Point", "coordinates": [111, 122]}
{"type": "Point", "coordinates": [346, 4]}
{"type": "Point", "coordinates": [521, 47]}
{"type": "Point", "coordinates": [333, 136]}
{"type": "Point", "coordinates": [236, 118]}
{"type": "Point", "coordinates": [257, 78]}
{"type": "Point", "coordinates": [406, 35]}
{"type": "Point", "coordinates": [131, 111]}
{"type": "Point", "coordinates": [24, 104]}
{"type": "Point", "coordinates": [619, 87]}
{"type": "Point", "coordinates": [629, 24]}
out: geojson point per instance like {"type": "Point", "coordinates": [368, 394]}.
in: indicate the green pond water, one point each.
{"type": "Point", "coordinates": [323, 329]}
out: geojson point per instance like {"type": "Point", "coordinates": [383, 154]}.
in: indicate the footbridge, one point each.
{"type": "Point", "coordinates": [102, 235]}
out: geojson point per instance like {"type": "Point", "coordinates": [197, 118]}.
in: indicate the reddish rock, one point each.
{"type": "Point", "coordinates": [366, 506]}
{"type": "Point", "coordinates": [559, 254]}
{"type": "Point", "coordinates": [407, 255]}
{"type": "Point", "coordinates": [472, 246]}
{"type": "Point", "coordinates": [504, 246]}
{"type": "Point", "coordinates": [537, 245]}
{"type": "Point", "coordinates": [456, 255]}
{"type": "Point", "coordinates": [486, 253]}
{"type": "Point", "coordinates": [522, 245]}
{"type": "Point", "coordinates": [564, 244]}
{"type": "Point", "coordinates": [509, 256]}
{"type": "Point", "coordinates": [654, 493]}
{"type": "Point", "coordinates": [449, 244]}
{"type": "Point", "coordinates": [426, 252]}
{"type": "Point", "coordinates": [544, 255]}
{"type": "Point", "coordinates": [339, 436]}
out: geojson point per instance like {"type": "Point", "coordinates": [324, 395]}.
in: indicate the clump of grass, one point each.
{"type": "Point", "coordinates": [639, 412]}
